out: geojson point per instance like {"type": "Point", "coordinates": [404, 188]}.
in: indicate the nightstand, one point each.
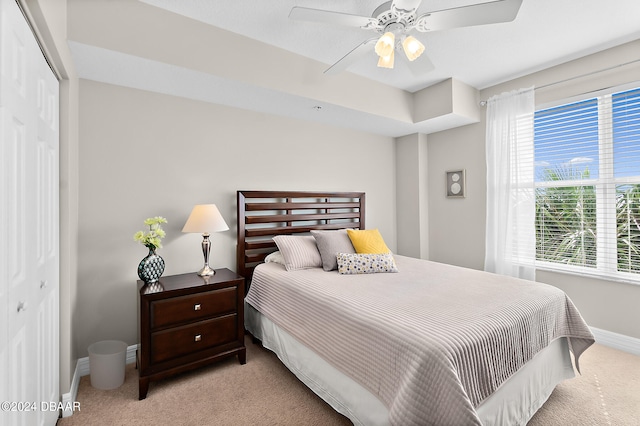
{"type": "Point", "coordinates": [187, 321]}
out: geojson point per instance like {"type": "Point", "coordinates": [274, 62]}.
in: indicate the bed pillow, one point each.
{"type": "Point", "coordinates": [363, 263]}
{"type": "Point", "coordinates": [367, 241]}
{"type": "Point", "coordinates": [275, 257]}
{"type": "Point", "coordinates": [331, 243]}
{"type": "Point", "coordinates": [298, 251]}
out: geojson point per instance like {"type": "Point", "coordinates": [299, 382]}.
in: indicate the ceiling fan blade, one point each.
{"type": "Point", "coordinates": [467, 16]}
{"type": "Point", "coordinates": [361, 50]}
{"type": "Point", "coordinates": [330, 17]}
{"type": "Point", "coordinates": [421, 66]}
{"type": "Point", "coordinates": [407, 6]}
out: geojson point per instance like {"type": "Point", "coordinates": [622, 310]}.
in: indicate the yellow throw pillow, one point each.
{"type": "Point", "coordinates": [367, 241]}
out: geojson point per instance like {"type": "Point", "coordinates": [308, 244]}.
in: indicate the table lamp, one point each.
{"type": "Point", "coordinates": [205, 218]}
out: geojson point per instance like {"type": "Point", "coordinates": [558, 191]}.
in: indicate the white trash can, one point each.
{"type": "Point", "coordinates": [107, 361]}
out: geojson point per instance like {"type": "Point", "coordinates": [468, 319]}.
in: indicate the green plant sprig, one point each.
{"type": "Point", "coordinates": [152, 239]}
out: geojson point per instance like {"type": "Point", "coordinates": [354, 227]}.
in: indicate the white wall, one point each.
{"type": "Point", "coordinates": [411, 196]}
{"type": "Point", "coordinates": [145, 154]}
{"type": "Point", "coordinates": [457, 225]}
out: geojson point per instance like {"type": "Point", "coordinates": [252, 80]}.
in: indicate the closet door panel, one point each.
{"type": "Point", "coordinates": [29, 253]}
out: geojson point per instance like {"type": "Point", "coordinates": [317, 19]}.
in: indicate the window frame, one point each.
{"type": "Point", "coordinates": [605, 186]}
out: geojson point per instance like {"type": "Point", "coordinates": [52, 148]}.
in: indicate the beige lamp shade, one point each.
{"type": "Point", "coordinates": [412, 48]}
{"type": "Point", "coordinates": [204, 219]}
{"type": "Point", "coordinates": [385, 44]}
{"type": "Point", "coordinates": [386, 61]}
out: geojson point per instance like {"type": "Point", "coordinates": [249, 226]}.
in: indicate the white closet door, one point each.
{"type": "Point", "coordinates": [29, 251]}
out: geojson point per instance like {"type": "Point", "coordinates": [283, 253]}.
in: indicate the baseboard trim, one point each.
{"type": "Point", "coordinates": [68, 399]}
{"type": "Point", "coordinates": [617, 341]}
{"type": "Point", "coordinates": [83, 369]}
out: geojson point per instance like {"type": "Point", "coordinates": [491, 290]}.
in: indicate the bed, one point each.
{"type": "Point", "coordinates": [418, 343]}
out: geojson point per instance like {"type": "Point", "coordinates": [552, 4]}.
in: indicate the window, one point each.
{"type": "Point", "coordinates": [587, 178]}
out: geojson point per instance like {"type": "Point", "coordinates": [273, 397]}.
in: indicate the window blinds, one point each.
{"type": "Point", "coordinates": [587, 173]}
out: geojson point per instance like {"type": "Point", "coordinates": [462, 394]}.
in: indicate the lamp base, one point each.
{"type": "Point", "coordinates": [206, 271]}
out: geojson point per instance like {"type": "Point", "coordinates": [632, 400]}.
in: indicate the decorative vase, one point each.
{"type": "Point", "coordinates": [151, 267]}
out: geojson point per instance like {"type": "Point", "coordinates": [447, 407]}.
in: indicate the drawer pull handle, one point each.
{"type": "Point", "coordinates": [197, 307]}
{"type": "Point", "coordinates": [198, 337]}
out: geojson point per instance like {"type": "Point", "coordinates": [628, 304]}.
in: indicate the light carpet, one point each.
{"type": "Point", "coordinates": [264, 392]}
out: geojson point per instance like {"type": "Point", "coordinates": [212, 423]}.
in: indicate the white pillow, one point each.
{"type": "Point", "coordinates": [275, 257]}
{"type": "Point", "coordinates": [299, 251]}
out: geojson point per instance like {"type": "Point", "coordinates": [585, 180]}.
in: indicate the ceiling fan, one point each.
{"type": "Point", "coordinates": [396, 19]}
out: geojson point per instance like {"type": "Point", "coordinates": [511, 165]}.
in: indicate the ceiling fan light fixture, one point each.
{"type": "Point", "coordinates": [412, 48]}
{"type": "Point", "coordinates": [386, 61]}
{"type": "Point", "coordinates": [385, 44]}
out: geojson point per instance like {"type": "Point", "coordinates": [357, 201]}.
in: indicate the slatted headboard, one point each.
{"type": "Point", "coordinates": [265, 214]}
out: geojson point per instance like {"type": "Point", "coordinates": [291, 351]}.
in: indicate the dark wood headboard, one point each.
{"type": "Point", "coordinates": [265, 214]}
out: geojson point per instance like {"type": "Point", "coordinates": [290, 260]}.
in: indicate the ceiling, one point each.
{"type": "Point", "coordinates": [545, 33]}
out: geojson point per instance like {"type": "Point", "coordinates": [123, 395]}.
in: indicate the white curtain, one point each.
{"type": "Point", "coordinates": [510, 234]}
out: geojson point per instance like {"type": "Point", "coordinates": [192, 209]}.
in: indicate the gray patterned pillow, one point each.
{"type": "Point", "coordinates": [365, 263]}
{"type": "Point", "coordinates": [299, 251]}
{"type": "Point", "coordinates": [330, 243]}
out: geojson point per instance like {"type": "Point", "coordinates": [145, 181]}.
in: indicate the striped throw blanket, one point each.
{"type": "Point", "coordinates": [431, 341]}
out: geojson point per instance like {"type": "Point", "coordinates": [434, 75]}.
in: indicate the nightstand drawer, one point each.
{"type": "Point", "coordinates": [175, 342]}
{"type": "Point", "coordinates": [187, 321]}
{"type": "Point", "coordinates": [165, 313]}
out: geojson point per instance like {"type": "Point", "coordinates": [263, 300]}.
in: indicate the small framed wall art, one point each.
{"type": "Point", "coordinates": [456, 187]}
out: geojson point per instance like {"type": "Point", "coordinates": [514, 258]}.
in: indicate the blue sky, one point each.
{"type": "Point", "coordinates": [573, 146]}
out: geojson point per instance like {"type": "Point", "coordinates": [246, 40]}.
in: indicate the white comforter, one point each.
{"type": "Point", "coordinates": [432, 341]}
